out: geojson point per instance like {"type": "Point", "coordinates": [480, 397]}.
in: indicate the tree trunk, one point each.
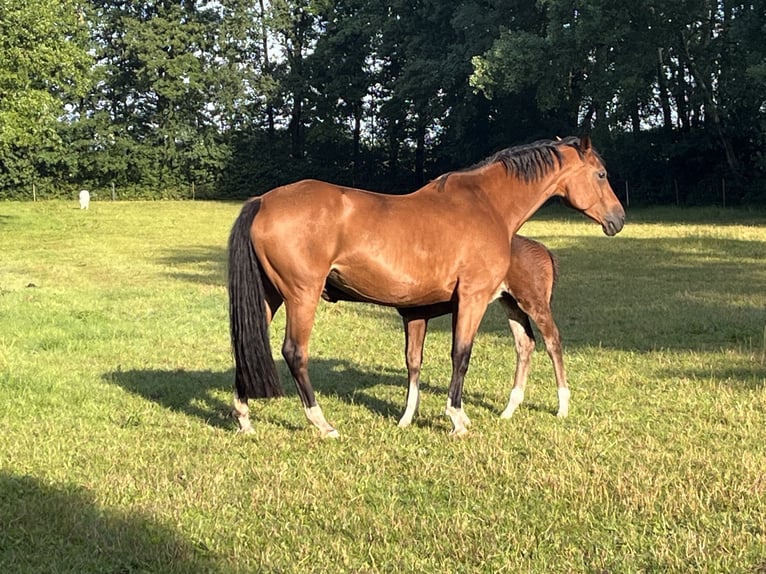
{"type": "Point", "coordinates": [681, 90]}
{"type": "Point", "coordinates": [393, 153]}
{"type": "Point", "coordinates": [635, 119]}
{"type": "Point", "coordinates": [420, 153]}
{"type": "Point", "coordinates": [295, 60]}
{"type": "Point", "coordinates": [662, 82]}
{"type": "Point", "coordinates": [357, 138]}
{"type": "Point", "coordinates": [266, 69]}
{"type": "Point", "coordinates": [711, 109]}
{"type": "Point", "coordinates": [296, 126]}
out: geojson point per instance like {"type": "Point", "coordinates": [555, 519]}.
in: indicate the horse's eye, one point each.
{"type": "Point", "coordinates": [602, 175]}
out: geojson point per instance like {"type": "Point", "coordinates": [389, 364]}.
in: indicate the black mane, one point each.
{"type": "Point", "coordinates": [532, 161]}
{"type": "Point", "coordinates": [528, 161]}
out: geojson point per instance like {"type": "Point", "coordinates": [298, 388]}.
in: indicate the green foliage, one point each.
{"type": "Point", "coordinates": [667, 74]}
{"type": "Point", "coordinates": [43, 64]}
{"type": "Point", "coordinates": [233, 96]}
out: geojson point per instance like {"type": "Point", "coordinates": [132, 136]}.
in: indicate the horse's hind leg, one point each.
{"type": "Point", "coordinates": [241, 410]}
{"type": "Point", "coordinates": [300, 320]}
{"type": "Point", "coordinates": [414, 334]}
{"type": "Point", "coordinates": [524, 340]}
{"type": "Point", "coordinates": [552, 338]}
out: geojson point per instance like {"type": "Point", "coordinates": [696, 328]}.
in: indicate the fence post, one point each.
{"type": "Point", "coordinates": [112, 191]}
{"type": "Point", "coordinates": [34, 192]}
{"type": "Point", "coordinates": [627, 194]}
{"type": "Point", "coordinates": [723, 191]}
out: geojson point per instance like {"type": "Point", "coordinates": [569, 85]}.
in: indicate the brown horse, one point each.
{"type": "Point", "coordinates": [529, 284]}
{"type": "Point", "coordinates": [446, 242]}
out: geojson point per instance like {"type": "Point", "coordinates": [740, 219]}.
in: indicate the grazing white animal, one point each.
{"type": "Point", "coordinates": [84, 199]}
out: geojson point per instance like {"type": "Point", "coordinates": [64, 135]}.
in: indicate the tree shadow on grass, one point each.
{"type": "Point", "coordinates": [46, 528]}
{"type": "Point", "coordinates": [202, 265]}
{"type": "Point", "coordinates": [749, 377]}
{"type": "Point", "coordinates": [200, 394]}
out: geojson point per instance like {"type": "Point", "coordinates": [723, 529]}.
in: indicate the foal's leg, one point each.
{"type": "Point", "coordinates": [300, 320]}
{"type": "Point", "coordinates": [241, 410]}
{"type": "Point", "coordinates": [465, 323]}
{"type": "Point", "coordinates": [414, 335]}
{"type": "Point", "coordinates": [544, 320]}
{"type": "Point", "coordinates": [524, 340]}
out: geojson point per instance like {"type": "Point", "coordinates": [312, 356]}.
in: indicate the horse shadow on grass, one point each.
{"type": "Point", "coordinates": [206, 395]}
{"type": "Point", "coordinates": [45, 528]}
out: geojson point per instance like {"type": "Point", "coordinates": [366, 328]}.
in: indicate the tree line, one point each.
{"type": "Point", "coordinates": [229, 98]}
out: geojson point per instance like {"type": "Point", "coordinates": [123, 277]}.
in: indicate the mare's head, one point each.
{"type": "Point", "coordinates": [574, 171]}
{"type": "Point", "coordinates": [584, 186]}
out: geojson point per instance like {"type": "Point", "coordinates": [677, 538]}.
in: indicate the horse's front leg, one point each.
{"type": "Point", "coordinates": [414, 337]}
{"type": "Point", "coordinates": [465, 323]}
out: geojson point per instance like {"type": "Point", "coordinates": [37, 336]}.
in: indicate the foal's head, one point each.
{"type": "Point", "coordinates": [584, 186]}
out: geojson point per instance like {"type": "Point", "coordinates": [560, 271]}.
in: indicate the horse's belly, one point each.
{"type": "Point", "coordinates": [386, 288]}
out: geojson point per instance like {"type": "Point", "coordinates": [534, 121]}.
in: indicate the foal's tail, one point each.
{"type": "Point", "coordinates": [256, 374]}
{"type": "Point", "coordinates": [554, 267]}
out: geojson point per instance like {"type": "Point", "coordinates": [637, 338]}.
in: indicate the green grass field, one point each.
{"type": "Point", "coordinates": [117, 454]}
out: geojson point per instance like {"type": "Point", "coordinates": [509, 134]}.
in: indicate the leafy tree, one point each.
{"type": "Point", "coordinates": [341, 78]}
{"type": "Point", "coordinates": [175, 78]}
{"type": "Point", "coordinates": [232, 97]}
{"type": "Point", "coordinates": [689, 67]}
{"type": "Point", "coordinates": [44, 64]}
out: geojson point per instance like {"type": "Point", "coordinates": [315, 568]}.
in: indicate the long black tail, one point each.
{"type": "Point", "coordinates": [256, 374]}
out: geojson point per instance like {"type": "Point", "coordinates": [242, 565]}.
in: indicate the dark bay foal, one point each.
{"type": "Point", "coordinates": [527, 291]}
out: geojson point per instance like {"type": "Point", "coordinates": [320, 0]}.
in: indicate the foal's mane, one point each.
{"type": "Point", "coordinates": [529, 161]}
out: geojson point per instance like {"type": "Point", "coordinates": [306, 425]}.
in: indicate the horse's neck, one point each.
{"type": "Point", "coordinates": [513, 198]}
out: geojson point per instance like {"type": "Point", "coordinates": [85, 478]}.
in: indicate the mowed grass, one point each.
{"type": "Point", "coordinates": [117, 453]}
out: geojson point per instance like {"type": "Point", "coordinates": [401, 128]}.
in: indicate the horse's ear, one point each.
{"type": "Point", "coordinates": [585, 146]}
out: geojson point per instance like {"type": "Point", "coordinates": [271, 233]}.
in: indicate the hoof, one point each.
{"type": "Point", "coordinates": [507, 413]}
{"type": "Point", "coordinates": [404, 422]}
{"type": "Point", "coordinates": [564, 395]}
{"type": "Point", "coordinates": [246, 430]}
{"type": "Point", "coordinates": [458, 432]}
{"type": "Point", "coordinates": [331, 434]}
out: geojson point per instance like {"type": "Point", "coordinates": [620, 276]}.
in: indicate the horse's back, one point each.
{"type": "Point", "coordinates": [312, 194]}
{"type": "Point", "coordinates": [323, 209]}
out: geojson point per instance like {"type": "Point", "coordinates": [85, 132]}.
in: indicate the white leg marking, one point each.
{"type": "Point", "coordinates": [460, 421]}
{"type": "Point", "coordinates": [413, 399]}
{"type": "Point", "coordinates": [516, 398]}
{"type": "Point", "coordinates": [316, 417]}
{"type": "Point", "coordinates": [242, 413]}
{"type": "Point", "coordinates": [564, 395]}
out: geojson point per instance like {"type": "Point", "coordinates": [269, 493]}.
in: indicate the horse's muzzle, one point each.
{"type": "Point", "coordinates": [614, 222]}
